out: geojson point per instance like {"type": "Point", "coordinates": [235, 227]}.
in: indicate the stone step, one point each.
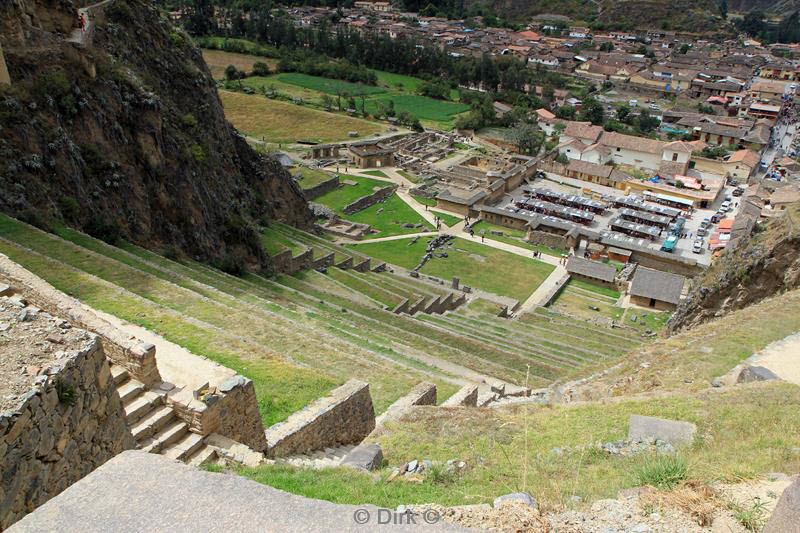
{"type": "Point", "coordinates": [129, 390]}
{"type": "Point", "coordinates": [171, 433]}
{"type": "Point", "coordinates": [204, 455]}
{"type": "Point", "coordinates": [184, 448]}
{"type": "Point", "coordinates": [139, 406]}
{"type": "Point", "coordinates": [119, 374]}
{"type": "Point", "coordinates": [150, 424]}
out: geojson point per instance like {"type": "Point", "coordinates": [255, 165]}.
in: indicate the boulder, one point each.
{"type": "Point", "coordinates": [786, 516]}
{"type": "Point", "coordinates": [642, 428]}
{"type": "Point", "coordinates": [364, 457]}
{"type": "Point", "coordinates": [515, 497]}
{"type": "Point", "coordinates": [755, 373]}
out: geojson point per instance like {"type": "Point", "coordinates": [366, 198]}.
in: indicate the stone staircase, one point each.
{"type": "Point", "coordinates": [327, 458]}
{"type": "Point", "coordinates": [155, 426]}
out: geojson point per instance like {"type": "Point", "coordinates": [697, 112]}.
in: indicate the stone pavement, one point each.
{"type": "Point", "coordinates": [540, 294]}
{"type": "Point", "coordinates": [141, 492]}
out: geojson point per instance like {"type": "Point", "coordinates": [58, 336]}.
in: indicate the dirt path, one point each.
{"type": "Point", "coordinates": [782, 357]}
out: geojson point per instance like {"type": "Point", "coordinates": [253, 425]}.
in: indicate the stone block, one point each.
{"type": "Point", "coordinates": [365, 457]}
{"type": "Point", "coordinates": [786, 516]}
{"type": "Point", "coordinates": [755, 373]}
{"type": "Point", "coordinates": [516, 497]}
{"type": "Point", "coordinates": [675, 432]}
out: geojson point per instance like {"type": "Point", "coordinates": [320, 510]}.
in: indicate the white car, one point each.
{"type": "Point", "coordinates": [726, 206]}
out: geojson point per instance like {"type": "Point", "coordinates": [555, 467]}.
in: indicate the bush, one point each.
{"type": "Point", "coordinates": [662, 471]}
{"type": "Point", "coordinates": [119, 11]}
{"type": "Point", "coordinates": [100, 228]}
{"type": "Point", "coordinates": [261, 69]}
{"type": "Point", "coordinates": [189, 120]}
{"type": "Point", "coordinates": [70, 208]}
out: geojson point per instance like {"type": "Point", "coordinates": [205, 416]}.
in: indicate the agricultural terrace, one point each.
{"type": "Point", "coordinates": [475, 264]}
{"type": "Point", "coordinates": [388, 217]}
{"type": "Point", "coordinates": [281, 122]}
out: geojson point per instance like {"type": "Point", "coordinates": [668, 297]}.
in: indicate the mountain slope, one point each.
{"type": "Point", "coordinates": [765, 265]}
{"type": "Point", "coordinates": [126, 137]}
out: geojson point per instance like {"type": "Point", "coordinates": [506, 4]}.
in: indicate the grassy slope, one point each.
{"type": "Point", "coordinates": [707, 351]}
{"type": "Point", "coordinates": [309, 177]}
{"type": "Point", "coordinates": [509, 450]}
{"type": "Point", "coordinates": [477, 265]}
{"type": "Point", "coordinates": [286, 123]}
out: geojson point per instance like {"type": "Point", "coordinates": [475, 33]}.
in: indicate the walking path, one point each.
{"type": "Point", "coordinates": [83, 36]}
{"type": "Point", "coordinates": [543, 291]}
{"type": "Point", "coordinates": [781, 357]}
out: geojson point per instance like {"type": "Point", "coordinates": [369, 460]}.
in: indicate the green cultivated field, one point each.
{"type": "Point", "coordinates": [477, 265]}
{"type": "Point", "coordinates": [422, 107]}
{"type": "Point", "coordinates": [326, 85]}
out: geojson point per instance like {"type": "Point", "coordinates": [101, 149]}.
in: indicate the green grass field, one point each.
{"type": "Point", "coordinates": [337, 199]}
{"type": "Point", "coordinates": [514, 237]}
{"type": "Point", "coordinates": [394, 213]}
{"type": "Point", "coordinates": [326, 85]}
{"type": "Point", "coordinates": [309, 177]}
{"type": "Point", "coordinates": [422, 107]}
{"type": "Point", "coordinates": [447, 219]}
{"type": "Point", "coordinates": [377, 173]}
{"type": "Point", "coordinates": [477, 265]}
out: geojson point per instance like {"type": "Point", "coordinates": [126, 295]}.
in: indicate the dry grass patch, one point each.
{"type": "Point", "coordinates": [218, 60]}
{"type": "Point", "coordinates": [287, 123]}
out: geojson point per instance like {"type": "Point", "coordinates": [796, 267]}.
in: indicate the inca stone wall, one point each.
{"type": "Point", "coordinates": [318, 190]}
{"type": "Point", "coordinates": [346, 416]}
{"type": "Point", "coordinates": [70, 422]}
{"type": "Point", "coordinates": [548, 239]}
{"type": "Point", "coordinates": [368, 200]}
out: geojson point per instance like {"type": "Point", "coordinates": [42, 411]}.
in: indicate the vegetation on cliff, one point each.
{"type": "Point", "coordinates": [123, 136]}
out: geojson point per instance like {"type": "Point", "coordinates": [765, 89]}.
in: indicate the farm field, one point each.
{"type": "Point", "coordinates": [326, 85]}
{"type": "Point", "coordinates": [280, 122]}
{"type": "Point", "coordinates": [422, 107]}
{"type": "Point", "coordinates": [476, 265]}
{"type": "Point", "coordinates": [218, 60]}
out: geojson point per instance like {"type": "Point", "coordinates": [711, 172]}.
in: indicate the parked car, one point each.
{"type": "Point", "coordinates": [705, 223]}
{"type": "Point", "coordinates": [738, 191]}
{"type": "Point", "coordinates": [697, 247]}
{"type": "Point", "coordinates": [725, 207]}
{"type": "Point", "coordinates": [701, 232]}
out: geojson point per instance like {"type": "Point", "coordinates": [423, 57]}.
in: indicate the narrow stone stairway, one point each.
{"type": "Point", "coordinates": [326, 458]}
{"type": "Point", "coordinates": [155, 426]}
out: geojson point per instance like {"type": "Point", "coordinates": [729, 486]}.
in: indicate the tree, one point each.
{"type": "Point", "coordinates": [528, 137]}
{"type": "Point", "coordinates": [566, 112]}
{"type": "Point", "coordinates": [261, 69]}
{"type": "Point", "coordinates": [624, 114]}
{"type": "Point", "coordinates": [647, 123]}
{"type": "Point", "coordinates": [232, 73]}
{"type": "Point", "coordinates": [592, 111]}
{"type": "Point", "coordinates": [327, 101]}
{"type": "Point", "coordinates": [684, 49]}
{"type": "Point", "coordinates": [723, 9]}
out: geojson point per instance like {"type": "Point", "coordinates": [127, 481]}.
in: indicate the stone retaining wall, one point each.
{"type": "Point", "coordinates": [324, 262]}
{"type": "Point", "coordinates": [231, 410]}
{"type": "Point", "coordinates": [282, 261]}
{"type": "Point", "coordinates": [318, 190]}
{"type": "Point", "coordinates": [346, 416]}
{"type": "Point", "coordinates": [466, 396]}
{"type": "Point", "coordinates": [381, 267]}
{"type": "Point", "coordinates": [368, 200]}
{"type": "Point", "coordinates": [422, 394]}
{"type": "Point", "coordinates": [362, 266]}
{"type": "Point", "coordinates": [347, 264]}
{"type": "Point", "coordinates": [417, 307]}
{"type": "Point", "coordinates": [47, 443]}
{"type": "Point", "coordinates": [402, 308]}
{"type": "Point", "coordinates": [302, 261]}
{"type": "Point", "coordinates": [136, 357]}
{"type": "Point", "coordinates": [548, 239]}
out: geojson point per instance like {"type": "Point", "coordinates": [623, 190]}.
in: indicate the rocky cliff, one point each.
{"type": "Point", "coordinates": [121, 133]}
{"type": "Point", "coordinates": [765, 265]}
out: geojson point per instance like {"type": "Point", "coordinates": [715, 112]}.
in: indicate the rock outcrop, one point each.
{"type": "Point", "coordinates": [765, 265]}
{"type": "Point", "coordinates": [123, 136]}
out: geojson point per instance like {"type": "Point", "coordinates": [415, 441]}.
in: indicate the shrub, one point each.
{"type": "Point", "coordinates": [70, 208]}
{"type": "Point", "coordinates": [261, 69]}
{"type": "Point", "coordinates": [197, 152]}
{"type": "Point", "coordinates": [662, 471]}
{"type": "Point", "coordinates": [66, 394]}
{"type": "Point", "coordinates": [119, 11]}
{"type": "Point", "coordinates": [189, 120]}
{"type": "Point", "coordinates": [100, 228]}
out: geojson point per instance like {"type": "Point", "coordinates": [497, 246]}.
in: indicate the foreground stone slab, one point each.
{"type": "Point", "coordinates": [755, 373]}
{"type": "Point", "coordinates": [786, 516]}
{"type": "Point", "coordinates": [649, 427]}
{"type": "Point", "coordinates": [365, 457]}
{"type": "Point", "coordinates": [141, 492]}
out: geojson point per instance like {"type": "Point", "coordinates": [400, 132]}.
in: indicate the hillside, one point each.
{"type": "Point", "coordinates": [765, 265]}
{"type": "Point", "coordinates": [688, 15]}
{"type": "Point", "coordinates": [121, 133]}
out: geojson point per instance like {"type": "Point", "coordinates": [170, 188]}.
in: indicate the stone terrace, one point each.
{"type": "Point", "coordinates": [300, 336]}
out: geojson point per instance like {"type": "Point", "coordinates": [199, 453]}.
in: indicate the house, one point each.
{"type": "Point", "coordinates": [742, 164]}
{"type": "Point", "coordinates": [656, 289]}
{"type": "Point", "coordinates": [371, 154]}
{"type": "Point", "coordinates": [783, 197]}
{"type": "Point", "coordinates": [766, 90]}
{"type": "Point", "coordinates": [594, 272]}
{"type": "Point", "coordinates": [578, 32]}
{"type": "Point", "coordinates": [638, 152]}
{"type": "Point", "coordinates": [780, 72]}
{"type": "Point", "coordinates": [584, 132]}
{"type": "Point", "coordinates": [605, 175]}
{"type": "Point", "coordinates": [547, 60]}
